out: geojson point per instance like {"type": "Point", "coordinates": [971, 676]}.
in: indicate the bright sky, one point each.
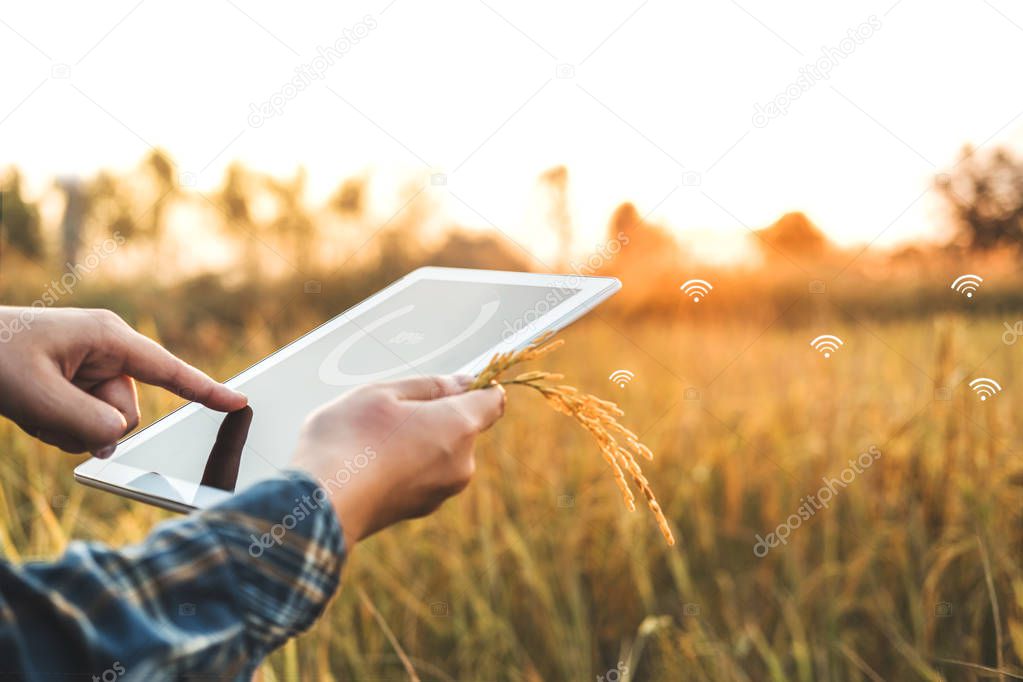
{"type": "Point", "coordinates": [656, 105]}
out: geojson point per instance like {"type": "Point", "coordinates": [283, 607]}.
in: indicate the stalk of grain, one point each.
{"type": "Point", "coordinates": [599, 417]}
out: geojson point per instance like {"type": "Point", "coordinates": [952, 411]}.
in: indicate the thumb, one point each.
{"type": "Point", "coordinates": [66, 409]}
{"type": "Point", "coordinates": [481, 407]}
{"type": "Point", "coordinates": [428, 387]}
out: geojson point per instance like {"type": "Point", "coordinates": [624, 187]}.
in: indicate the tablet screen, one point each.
{"type": "Point", "coordinates": [431, 326]}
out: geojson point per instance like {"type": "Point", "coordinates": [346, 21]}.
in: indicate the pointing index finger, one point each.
{"type": "Point", "coordinates": [149, 362]}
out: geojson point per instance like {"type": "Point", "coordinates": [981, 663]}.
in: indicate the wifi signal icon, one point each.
{"type": "Point", "coordinates": [696, 289]}
{"type": "Point", "coordinates": [967, 284]}
{"type": "Point", "coordinates": [621, 377]}
{"type": "Point", "coordinates": [827, 344]}
{"type": "Point", "coordinates": [985, 388]}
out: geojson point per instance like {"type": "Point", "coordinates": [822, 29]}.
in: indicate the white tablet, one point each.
{"type": "Point", "coordinates": [432, 321]}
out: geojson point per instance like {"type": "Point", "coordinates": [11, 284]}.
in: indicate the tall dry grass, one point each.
{"type": "Point", "coordinates": [538, 572]}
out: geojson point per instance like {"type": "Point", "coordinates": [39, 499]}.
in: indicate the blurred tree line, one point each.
{"type": "Point", "coordinates": [261, 220]}
{"type": "Point", "coordinates": [983, 193]}
{"type": "Point", "coordinates": [277, 250]}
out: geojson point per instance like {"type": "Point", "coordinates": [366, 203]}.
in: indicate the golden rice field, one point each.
{"type": "Point", "coordinates": [538, 572]}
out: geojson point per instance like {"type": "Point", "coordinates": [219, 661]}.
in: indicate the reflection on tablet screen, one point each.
{"type": "Point", "coordinates": [222, 465]}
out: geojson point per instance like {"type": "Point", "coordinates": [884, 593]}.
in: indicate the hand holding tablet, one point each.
{"type": "Point", "coordinates": [422, 430]}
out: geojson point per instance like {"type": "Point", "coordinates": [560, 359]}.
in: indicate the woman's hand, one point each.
{"type": "Point", "coordinates": [394, 451]}
{"type": "Point", "coordinates": [67, 376]}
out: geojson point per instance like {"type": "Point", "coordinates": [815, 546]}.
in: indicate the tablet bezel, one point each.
{"type": "Point", "coordinates": [112, 476]}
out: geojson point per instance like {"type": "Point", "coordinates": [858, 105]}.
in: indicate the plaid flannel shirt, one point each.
{"type": "Point", "coordinates": [206, 596]}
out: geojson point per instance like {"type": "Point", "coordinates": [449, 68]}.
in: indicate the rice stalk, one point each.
{"type": "Point", "coordinates": [599, 417]}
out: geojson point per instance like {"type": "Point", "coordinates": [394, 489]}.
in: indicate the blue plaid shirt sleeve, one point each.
{"type": "Point", "coordinates": [208, 595]}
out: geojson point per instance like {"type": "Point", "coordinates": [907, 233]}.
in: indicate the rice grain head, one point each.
{"type": "Point", "coordinates": [599, 417]}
